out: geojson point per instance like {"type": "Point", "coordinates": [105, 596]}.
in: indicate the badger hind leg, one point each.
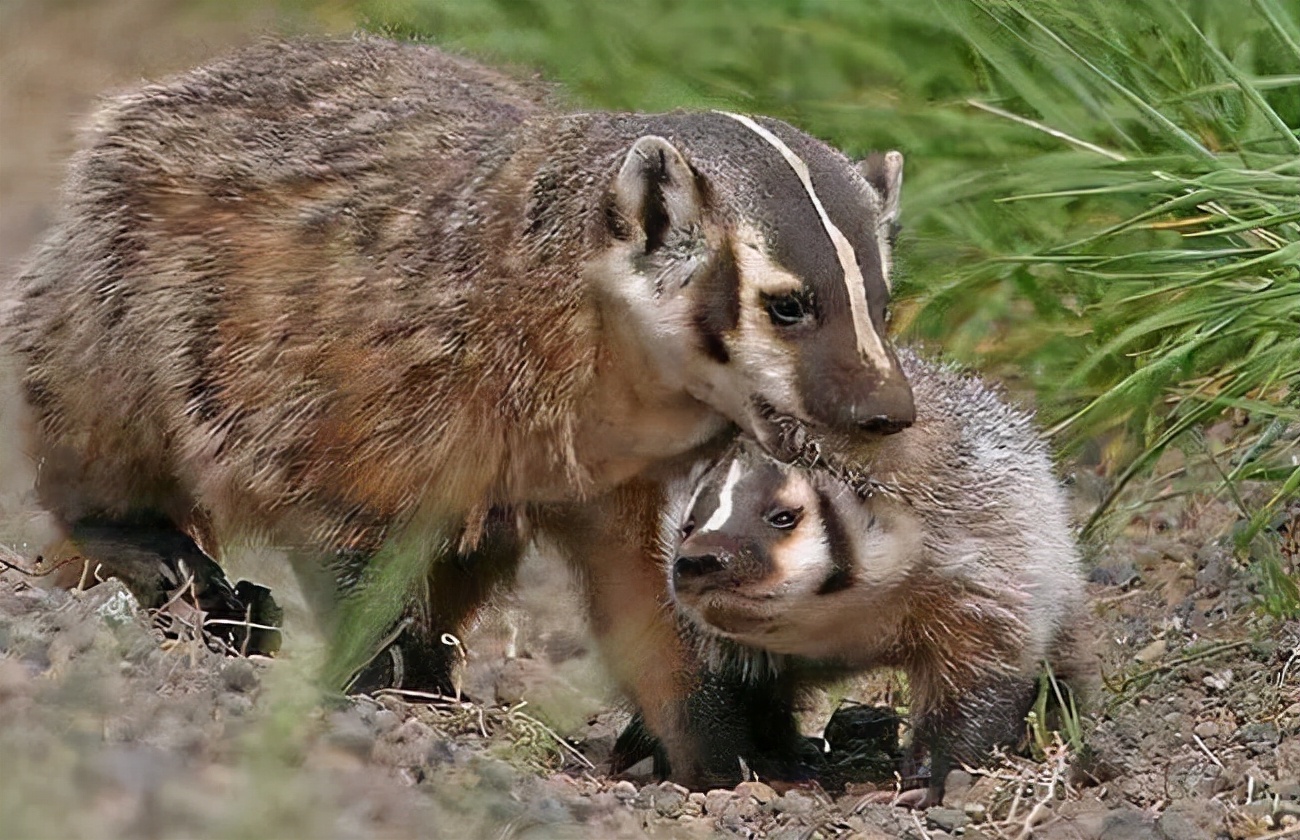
{"type": "Point", "coordinates": [157, 562]}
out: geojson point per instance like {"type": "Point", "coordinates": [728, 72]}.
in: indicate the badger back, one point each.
{"type": "Point", "coordinates": [356, 279]}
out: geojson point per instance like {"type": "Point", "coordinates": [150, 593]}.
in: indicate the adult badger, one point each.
{"type": "Point", "coordinates": [354, 294]}
{"type": "Point", "coordinates": [945, 551]}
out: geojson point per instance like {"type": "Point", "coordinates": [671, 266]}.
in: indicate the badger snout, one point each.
{"type": "Point", "coordinates": [714, 561]}
{"type": "Point", "coordinates": [883, 424]}
{"type": "Point", "coordinates": [704, 568]}
{"type": "Point", "coordinates": [695, 568]}
{"type": "Point", "coordinates": [848, 396]}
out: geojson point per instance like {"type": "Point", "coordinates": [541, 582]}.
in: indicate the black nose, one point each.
{"type": "Point", "coordinates": [883, 425]}
{"type": "Point", "coordinates": [691, 568]}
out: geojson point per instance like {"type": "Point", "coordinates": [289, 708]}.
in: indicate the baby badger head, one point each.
{"type": "Point", "coordinates": [789, 559]}
{"type": "Point", "coordinates": [754, 261]}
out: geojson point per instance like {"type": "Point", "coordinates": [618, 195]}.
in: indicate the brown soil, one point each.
{"type": "Point", "coordinates": [109, 729]}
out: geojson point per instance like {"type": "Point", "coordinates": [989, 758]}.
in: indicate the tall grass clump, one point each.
{"type": "Point", "coordinates": [1175, 295]}
{"type": "Point", "coordinates": [1103, 199]}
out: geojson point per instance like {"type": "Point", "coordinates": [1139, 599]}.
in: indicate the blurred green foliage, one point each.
{"type": "Point", "coordinates": [1103, 199]}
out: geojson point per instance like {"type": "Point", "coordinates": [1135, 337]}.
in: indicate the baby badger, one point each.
{"type": "Point", "coordinates": [945, 551]}
{"type": "Point", "coordinates": [352, 293]}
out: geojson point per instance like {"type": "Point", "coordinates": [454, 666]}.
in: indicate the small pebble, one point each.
{"type": "Point", "coordinates": [385, 720]}
{"type": "Point", "coordinates": [239, 675]}
{"type": "Point", "coordinates": [955, 789]}
{"type": "Point", "coordinates": [761, 793]}
{"type": "Point", "coordinates": [949, 819]}
{"type": "Point", "coordinates": [1152, 652]}
{"type": "Point", "coordinates": [1218, 681]}
{"type": "Point", "coordinates": [715, 801]}
{"type": "Point", "coordinates": [794, 802]}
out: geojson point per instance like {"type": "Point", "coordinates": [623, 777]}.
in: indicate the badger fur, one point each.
{"type": "Point", "coordinates": [945, 551]}
{"type": "Point", "coordinates": [344, 291]}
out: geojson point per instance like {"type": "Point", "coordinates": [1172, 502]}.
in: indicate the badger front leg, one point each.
{"type": "Point", "coordinates": [613, 545]}
{"type": "Point", "coordinates": [158, 562]}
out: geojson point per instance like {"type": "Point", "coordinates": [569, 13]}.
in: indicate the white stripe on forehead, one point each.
{"type": "Point", "coordinates": [723, 511]}
{"type": "Point", "coordinates": [869, 343]}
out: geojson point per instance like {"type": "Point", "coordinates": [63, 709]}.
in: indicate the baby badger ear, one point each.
{"type": "Point", "coordinates": [884, 172]}
{"type": "Point", "coordinates": [654, 193]}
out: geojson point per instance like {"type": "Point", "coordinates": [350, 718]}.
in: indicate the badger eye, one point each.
{"type": "Point", "coordinates": [784, 519]}
{"type": "Point", "coordinates": [688, 527]}
{"type": "Point", "coordinates": [788, 310]}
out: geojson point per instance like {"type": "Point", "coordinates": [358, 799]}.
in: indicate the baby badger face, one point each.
{"type": "Point", "coordinates": [789, 559]}
{"type": "Point", "coordinates": [759, 262]}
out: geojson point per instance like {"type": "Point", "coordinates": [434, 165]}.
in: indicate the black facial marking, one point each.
{"type": "Point", "coordinates": [654, 217]}
{"type": "Point", "coordinates": [718, 304]}
{"type": "Point", "coordinates": [801, 243]}
{"type": "Point", "coordinates": [837, 544]}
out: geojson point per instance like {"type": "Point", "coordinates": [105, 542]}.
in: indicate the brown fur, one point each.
{"type": "Point", "coordinates": [343, 292]}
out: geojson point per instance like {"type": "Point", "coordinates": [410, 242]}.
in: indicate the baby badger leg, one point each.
{"type": "Point", "coordinates": [741, 726]}
{"type": "Point", "coordinates": [421, 657]}
{"type": "Point", "coordinates": [965, 729]}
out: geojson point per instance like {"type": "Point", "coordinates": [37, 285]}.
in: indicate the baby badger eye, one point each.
{"type": "Point", "coordinates": [789, 309]}
{"type": "Point", "coordinates": [687, 527]}
{"type": "Point", "coordinates": [784, 519]}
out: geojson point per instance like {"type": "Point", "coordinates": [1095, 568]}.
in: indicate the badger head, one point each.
{"type": "Point", "coordinates": [754, 262]}
{"type": "Point", "coordinates": [789, 560]}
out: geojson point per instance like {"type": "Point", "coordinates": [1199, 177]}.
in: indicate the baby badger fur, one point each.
{"type": "Point", "coordinates": [945, 551]}
{"type": "Point", "coordinates": [351, 292]}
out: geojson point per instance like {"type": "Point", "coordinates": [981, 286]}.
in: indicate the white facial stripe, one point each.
{"type": "Point", "coordinates": [723, 511]}
{"type": "Point", "coordinates": [869, 343]}
{"type": "Point", "coordinates": [804, 555]}
{"type": "Point", "coordinates": [886, 258]}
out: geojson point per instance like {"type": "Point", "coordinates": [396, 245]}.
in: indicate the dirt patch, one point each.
{"type": "Point", "coordinates": [118, 731]}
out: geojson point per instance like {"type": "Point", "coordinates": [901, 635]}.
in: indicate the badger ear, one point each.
{"type": "Point", "coordinates": [884, 172]}
{"type": "Point", "coordinates": [654, 193]}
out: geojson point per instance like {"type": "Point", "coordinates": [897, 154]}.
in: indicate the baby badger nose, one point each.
{"type": "Point", "coordinates": [704, 562]}
{"type": "Point", "coordinates": [687, 568]}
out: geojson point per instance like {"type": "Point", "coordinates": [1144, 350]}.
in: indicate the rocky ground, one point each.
{"type": "Point", "coordinates": [119, 729]}
{"type": "Point", "coordinates": [111, 727]}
